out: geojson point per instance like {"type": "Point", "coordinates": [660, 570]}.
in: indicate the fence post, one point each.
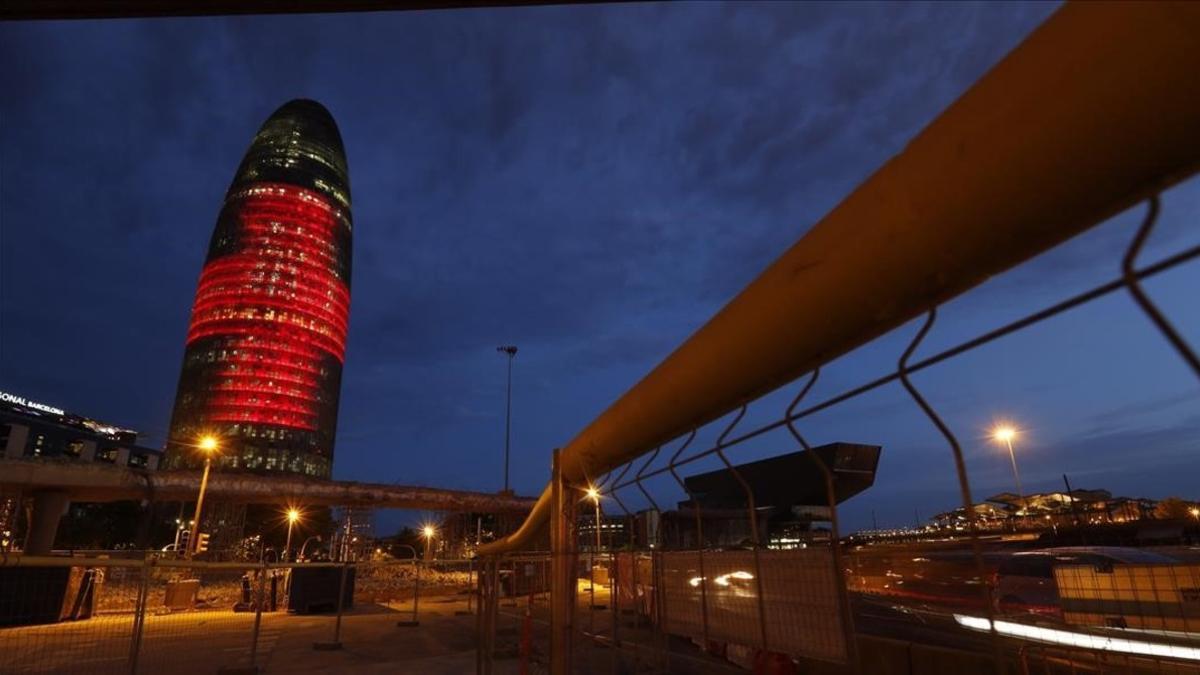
{"type": "Point", "coordinates": [512, 569]}
{"type": "Point", "coordinates": [614, 577]}
{"type": "Point", "coordinates": [470, 571]}
{"type": "Point", "coordinates": [336, 643]}
{"type": "Point", "coordinates": [139, 617]}
{"type": "Point", "coordinates": [657, 562]}
{"type": "Point", "coordinates": [416, 590]}
{"type": "Point", "coordinates": [479, 623]}
{"type": "Point", "coordinates": [562, 580]}
{"type": "Point", "coordinates": [697, 510]}
{"type": "Point", "coordinates": [489, 605]}
{"type": "Point", "coordinates": [258, 605]}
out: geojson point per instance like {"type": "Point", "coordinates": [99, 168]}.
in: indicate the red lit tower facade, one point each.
{"type": "Point", "coordinates": [262, 369]}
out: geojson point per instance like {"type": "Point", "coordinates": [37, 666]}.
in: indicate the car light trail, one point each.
{"type": "Point", "coordinates": [1084, 640]}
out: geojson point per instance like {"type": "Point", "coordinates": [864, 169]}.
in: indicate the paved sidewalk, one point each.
{"type": "Point", "coordinates": [443, 644]}
{"type": "Point", "coordinates": [204, 642]}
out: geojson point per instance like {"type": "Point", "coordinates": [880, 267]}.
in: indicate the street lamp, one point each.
{"type": "Point", "coordinates": [293, 515]}
{"type": "Point", "coordinates": [207, 445]}
{"type": "Point", "coordinates": [1195, 512]}
{"type": "Point", "coordinates": [1005, 434]}
{"type": "Point", "coordinates": [304, 546]}
{"type": "Point", "coordinates": [511, 350]}
{"type": "Point", "coordinates": [428, 533]}
{"type": "Point", "coordinates": [594, 495]}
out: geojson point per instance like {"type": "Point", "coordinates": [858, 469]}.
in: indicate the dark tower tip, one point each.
{"type": "Point", "coordinates": [299, 144]}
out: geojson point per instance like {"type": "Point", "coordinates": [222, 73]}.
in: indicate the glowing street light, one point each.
{"type": "Point", "coordinates": [208, 445]}
{"type": "Point", "coordinates": [1005, 434]}
{"type": "Point", "coordinates": [594, 495]}
{"type": "Point", "coordinates": [428, 532]}
{"type": "Point", "coordinates": [293, 515]}
{"type": "Point", "coordinates": [1195, 512]}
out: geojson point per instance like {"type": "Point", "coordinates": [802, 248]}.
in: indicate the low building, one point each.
{"type": "Point", "coordinates": [790, 497]}
{"type": "Point", "coordinates": [30, 429]}
{"type": "Point", "coordinates": [613, 531]}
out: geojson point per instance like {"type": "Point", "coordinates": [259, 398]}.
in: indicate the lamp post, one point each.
{"type": "Point", "coordinates": [594, 495]}
{"type": "Point", "coordinates": [304, 546]}
{"type": "Point", "coordinates": [414, 621]}
{"type": "Point", "coordinates": [511, 350]}
{"type": "Point", "coordinates": [1005, 434]}
{"type": "Point", "coordinates": [428, 533]}
{"type": "Point", "coordinates": [208, 445]}
{"type": "Point", "coordinates": [293, 515]}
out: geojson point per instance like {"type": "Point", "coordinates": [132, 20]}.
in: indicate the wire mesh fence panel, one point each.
{"type": "Point", "coordinates": [213, 604]}
{"type": "Point", "coordinates": [392, 582]}
{"type": "Point", "coordinates": [522, 625]}
{"type": "Point", "coordinates": [683, 599]}
{"type": "Point", "coordinates": [56, 617]}
{"type": "Point", "coordinates": [802, 608]}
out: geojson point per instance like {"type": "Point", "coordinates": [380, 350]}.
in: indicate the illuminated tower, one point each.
{"type": "Point", "coordinates": [263, 365]}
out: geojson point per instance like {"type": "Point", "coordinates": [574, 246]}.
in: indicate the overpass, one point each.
{"type": "Point", "coordinates": [53, 484]}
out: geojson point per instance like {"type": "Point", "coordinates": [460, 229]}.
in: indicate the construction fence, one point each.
{"type": "Point", "coordinates": [104, 616]}
{"type": "Point", "coordinates": [695, 584]}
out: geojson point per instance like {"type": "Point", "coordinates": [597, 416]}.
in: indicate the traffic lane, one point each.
{"type": "Point", "coordinates": [880, 618]}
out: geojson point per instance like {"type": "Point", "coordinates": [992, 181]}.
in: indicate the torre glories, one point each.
{"type": "Point", "coordinates": [262, 369]}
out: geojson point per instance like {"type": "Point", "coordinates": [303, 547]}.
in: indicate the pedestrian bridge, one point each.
{"type": "Point", "coordinates": [104, 483]}
{"type": "Point", "coordinates": [54, 483]}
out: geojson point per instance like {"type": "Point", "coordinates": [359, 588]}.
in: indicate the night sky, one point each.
{"type": "Point", "coordinates": [588, 183]}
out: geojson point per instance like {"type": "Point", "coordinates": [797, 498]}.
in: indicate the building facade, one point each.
{"type": "Point", "coordinates": [262, 368]}
{"type": "Point", "coordinates": [30, 429]}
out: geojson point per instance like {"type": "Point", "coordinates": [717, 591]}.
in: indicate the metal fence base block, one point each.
{"type": "Point", "coordinates": [408, 624]}
{"type": "Point", "coordinates": [327, 646]}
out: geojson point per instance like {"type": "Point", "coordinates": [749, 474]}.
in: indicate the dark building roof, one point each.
{"type": "Point", "coordinates": [794, 479]}
{"type": "Point", "coordinates": [23, 414]}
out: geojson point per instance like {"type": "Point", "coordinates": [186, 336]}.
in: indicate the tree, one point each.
{"type": "Point", "coordinates": [1172, 508]}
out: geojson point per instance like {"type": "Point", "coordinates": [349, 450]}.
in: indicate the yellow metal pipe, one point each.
{"type": "Point", "coordinates": [1095, 110]}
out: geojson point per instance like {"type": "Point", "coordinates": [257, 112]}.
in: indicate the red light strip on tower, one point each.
{"type": "Point", "coordinates": [279, 302]}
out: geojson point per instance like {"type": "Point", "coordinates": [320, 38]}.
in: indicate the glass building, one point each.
{"type": "Point", "coordinates": [262, 369]}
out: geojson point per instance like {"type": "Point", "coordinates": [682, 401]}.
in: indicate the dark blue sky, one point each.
{"type": "Point", "coordinates": [589, 183]}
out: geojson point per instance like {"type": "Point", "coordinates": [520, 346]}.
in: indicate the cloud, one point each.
{"type": "Point", "coordinates": [589, 182]}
